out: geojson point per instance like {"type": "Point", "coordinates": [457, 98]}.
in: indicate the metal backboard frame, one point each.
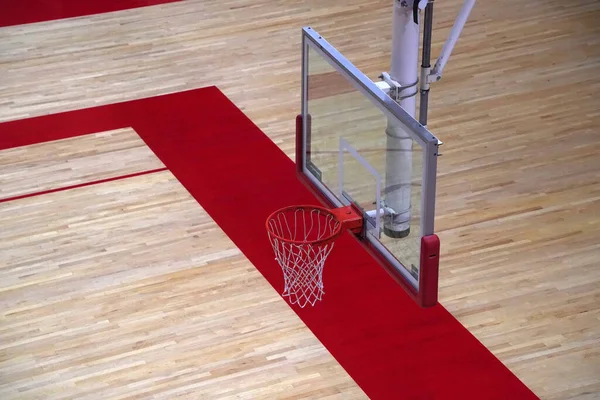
{"type": "Point", "coordinates": [420, 134]}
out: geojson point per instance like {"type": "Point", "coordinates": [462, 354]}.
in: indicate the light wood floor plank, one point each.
{"type": "Point", "coordinates": [61, 163]}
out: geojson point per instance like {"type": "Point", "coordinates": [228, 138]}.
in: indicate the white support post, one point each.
{"type": "Point", "coordinates": [404, 70]}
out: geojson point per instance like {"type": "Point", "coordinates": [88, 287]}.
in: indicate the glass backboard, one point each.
{"type": "Point", "coordinates": [359, 146]}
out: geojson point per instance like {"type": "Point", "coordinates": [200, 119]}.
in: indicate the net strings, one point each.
{"type": "Point", "coordinates": [302, 263]}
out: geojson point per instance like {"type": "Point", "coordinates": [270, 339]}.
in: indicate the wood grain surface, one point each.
{"type": "Point", "coordinates": [518, 200]}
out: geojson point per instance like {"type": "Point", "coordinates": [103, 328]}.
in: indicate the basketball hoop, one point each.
{"type": "Point", "coordinates": [302, 238]}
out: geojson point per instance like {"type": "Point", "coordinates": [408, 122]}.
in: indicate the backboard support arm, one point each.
{"type": "Point", "coordinates": [459, 24]}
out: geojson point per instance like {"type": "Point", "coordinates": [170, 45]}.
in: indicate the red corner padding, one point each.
{"type": "Point", "coordinates": [429, 272]}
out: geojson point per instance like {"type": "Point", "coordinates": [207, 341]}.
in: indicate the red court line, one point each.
{"type": "Point", "coordinates": [115, 178]}
{"type": "Point", "coordinates": [17, 12]}
{"type": "Point", "coordinates": [391, 347]}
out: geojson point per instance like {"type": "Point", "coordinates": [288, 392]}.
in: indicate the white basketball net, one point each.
{"type": "Point", "coordinates": [302, 238]}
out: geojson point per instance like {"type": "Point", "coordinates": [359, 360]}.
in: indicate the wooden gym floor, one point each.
{"type": "Point", "coordinates": [517, 207]}
{"type": "Point", "coordinates": [136, 260]}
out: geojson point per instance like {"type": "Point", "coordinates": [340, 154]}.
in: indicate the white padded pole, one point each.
{"type": "Point", "coordinates": [404, 70]}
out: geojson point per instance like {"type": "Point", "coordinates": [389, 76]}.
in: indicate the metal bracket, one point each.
{"type": "Point", "coordinates": [428, 76]}
{"type": "Point", "coordinates": [434, 77]}
{"type": "Point", "coordinates": [350, 217]}
{"type": "Point", "coordinates": [439, 144]}
{"type": "Point", "coordinates": [394, 89]}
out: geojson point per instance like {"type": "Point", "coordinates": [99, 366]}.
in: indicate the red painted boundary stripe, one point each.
{"type": "Point", "coordinates": [115, 178]}
{"type": "Point", "coordinates": [391, 347]}
{"type": "Point", "coordinates": [17, 12]}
